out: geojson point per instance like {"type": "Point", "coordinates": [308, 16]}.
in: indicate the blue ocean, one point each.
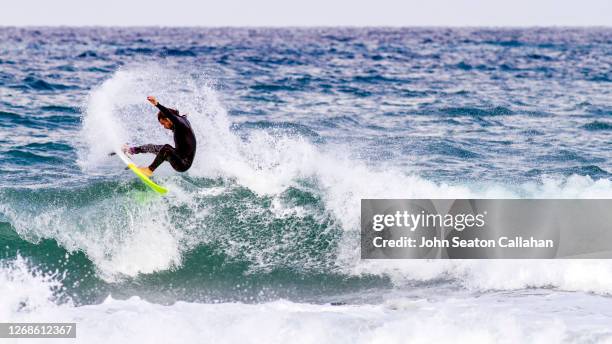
{"type": "Point", "coordinates": [261, 236]}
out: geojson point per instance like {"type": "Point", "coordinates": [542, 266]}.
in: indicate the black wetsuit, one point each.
{"type": "Point", "coordinates": [180, 157]}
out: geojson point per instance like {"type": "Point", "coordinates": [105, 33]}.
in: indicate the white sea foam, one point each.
{"type": "Point", "coordinates": [455, 317]}
{"type": "Point", "coordinates": [140, 238]}
{"type": "Point", "coordinates": [117, 234]}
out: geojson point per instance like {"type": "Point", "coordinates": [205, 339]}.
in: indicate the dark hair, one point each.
{"type": "Point", "coordinates": [161, 115]}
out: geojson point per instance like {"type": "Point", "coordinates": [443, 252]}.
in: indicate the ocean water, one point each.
{"type": "Point", "coordinates": [259, 241]}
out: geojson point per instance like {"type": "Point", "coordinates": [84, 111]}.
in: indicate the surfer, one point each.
{"type": "Point", "coordinates": [181, 156]}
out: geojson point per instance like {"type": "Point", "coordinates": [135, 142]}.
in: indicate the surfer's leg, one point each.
{"type": "Point", "coordinates": [169, 154]}
{"type": "Point", "coordinates": [163, 154]}
{"type": "Point", "coordinates": [178, 163]}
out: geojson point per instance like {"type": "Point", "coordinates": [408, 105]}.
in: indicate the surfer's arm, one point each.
{"type": "Point", "coordinates": [171, 116]}
{"type": "Point", "coordinates": [154, 149]}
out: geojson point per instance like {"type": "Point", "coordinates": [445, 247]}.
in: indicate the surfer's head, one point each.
{"type": "Point", "coordinates": [165, 121]}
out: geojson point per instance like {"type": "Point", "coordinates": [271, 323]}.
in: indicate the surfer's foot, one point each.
{"type": "Point", "coordinates": [146, 171]}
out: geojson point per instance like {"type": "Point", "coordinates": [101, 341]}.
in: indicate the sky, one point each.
{"type": "Point", "coordinates": [307, 13]}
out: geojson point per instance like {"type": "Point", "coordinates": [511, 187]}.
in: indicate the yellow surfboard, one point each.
{"type": "Point", "coordinates": [130, 164]}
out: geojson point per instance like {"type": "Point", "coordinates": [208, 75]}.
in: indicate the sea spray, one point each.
{"type": "Point", "coordinates": [318, 187]}
{"type": "Point", "coordinates": [261, 236]}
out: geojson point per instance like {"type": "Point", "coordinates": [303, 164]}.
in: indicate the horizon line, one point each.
{"type": "Point", "coordinates": [559, 26]}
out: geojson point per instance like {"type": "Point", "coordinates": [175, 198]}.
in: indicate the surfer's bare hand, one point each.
{"type": "Point", "coordinates": [152, 100]}
{"type": "Point", "coordinates": [126, 149]}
